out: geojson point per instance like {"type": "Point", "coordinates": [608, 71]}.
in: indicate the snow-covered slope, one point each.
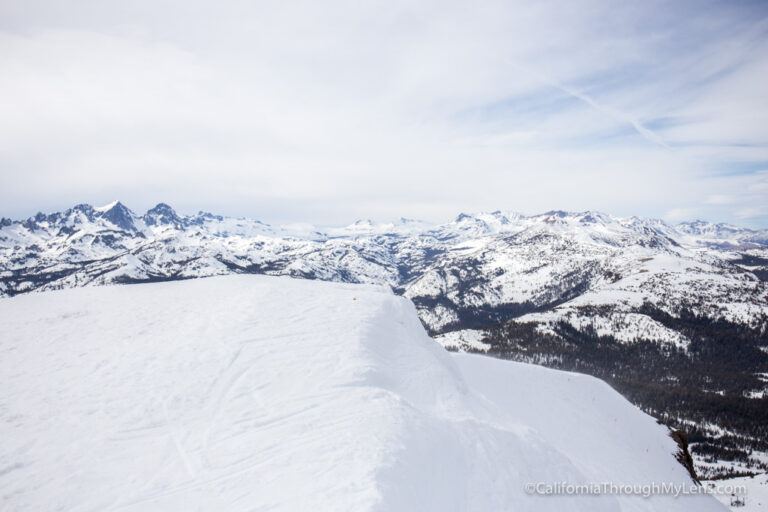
{"type": "Point", "coordinates": [743, 494]}
{"type": "Point", "coordinates": [262, 393]}
{"type": "Point", "coordinates": [561, 277]}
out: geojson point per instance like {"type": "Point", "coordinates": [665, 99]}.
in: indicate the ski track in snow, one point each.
{"type": "Point", "coordinates": [245, 393]}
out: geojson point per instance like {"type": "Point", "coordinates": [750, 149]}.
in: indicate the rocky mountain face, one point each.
{"type": "Point", "coordinates": [521, 287]}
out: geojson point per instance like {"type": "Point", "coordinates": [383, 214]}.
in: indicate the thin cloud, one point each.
{"type": "Point", "coordinates": [644, 132]}
{"type": "Point", "coordinates": [327, 112]}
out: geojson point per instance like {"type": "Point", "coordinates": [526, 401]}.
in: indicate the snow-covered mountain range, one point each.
{"type": "Point", "coordinates": [575, 290]}
{"type": "Point", "coordinates": [244, 393]}
{"type": "Point", "coordinates": [473, 271]}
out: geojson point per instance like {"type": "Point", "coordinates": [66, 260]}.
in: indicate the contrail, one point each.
{"type": "Point", "coordinates": [644, 132]}
{"type": "Point", "coordinates": [649, 135]}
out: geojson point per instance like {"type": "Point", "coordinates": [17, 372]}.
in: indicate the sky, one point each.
{"type": "Point", "coordinates": [327, 112]}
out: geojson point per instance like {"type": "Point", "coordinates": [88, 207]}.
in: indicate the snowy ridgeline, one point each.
{"type": "Point", "coordinates": [266, 393]}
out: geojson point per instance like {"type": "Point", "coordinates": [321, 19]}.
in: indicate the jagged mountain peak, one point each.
{"type": "Point", "coordinates": [463, 216]}
{"type": "Point", "coordinates": [584, 217]}
{"type": "Point", "coordinates": [722, 234]}
{"type": "Point", "coordinates": [106, 207]}
{"type": "Point", "coordinates": [162, 214]}
{"type": "Point", "coordinates": [555, 213]}
{"type": "Point", "coordinates": [401, 226]}
{"type": "Point", "coordinates": [118, 214]}
{"type": "Point", "coordinates": [595, 217]}
{"type": "Point", "coordinates": [702, 227]}
{"type": "Point", "coordinates": [480, 219]}
{"type": "Point", "coordinates": [162, 208]}
{"type": "Point", "coordinates": [87, 208]}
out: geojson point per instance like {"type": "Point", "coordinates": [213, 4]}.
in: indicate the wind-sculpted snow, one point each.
{"type": "Point", "coordinates": [267, 393]}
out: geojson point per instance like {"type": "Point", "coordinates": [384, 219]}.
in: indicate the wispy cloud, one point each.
{"type": "Point", "coordinates": [613, 113]}
{"type": "Point", "coordinates": [327, 111]}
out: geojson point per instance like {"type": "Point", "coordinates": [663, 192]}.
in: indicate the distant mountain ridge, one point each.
{"type": "Point", "coordinates": [120, 216]}
{"type": "Point", "coordinates": [668, 315]}
{"type": "Point", "coordinates": [483, 261]}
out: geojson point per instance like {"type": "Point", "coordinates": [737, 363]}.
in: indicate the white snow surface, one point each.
{"type": "Point", "coordinates": [464, 340]}
{"type": "Point", "coordinates": [755, 499]}
{"type": "Point", "coordinates": [245, 393]}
